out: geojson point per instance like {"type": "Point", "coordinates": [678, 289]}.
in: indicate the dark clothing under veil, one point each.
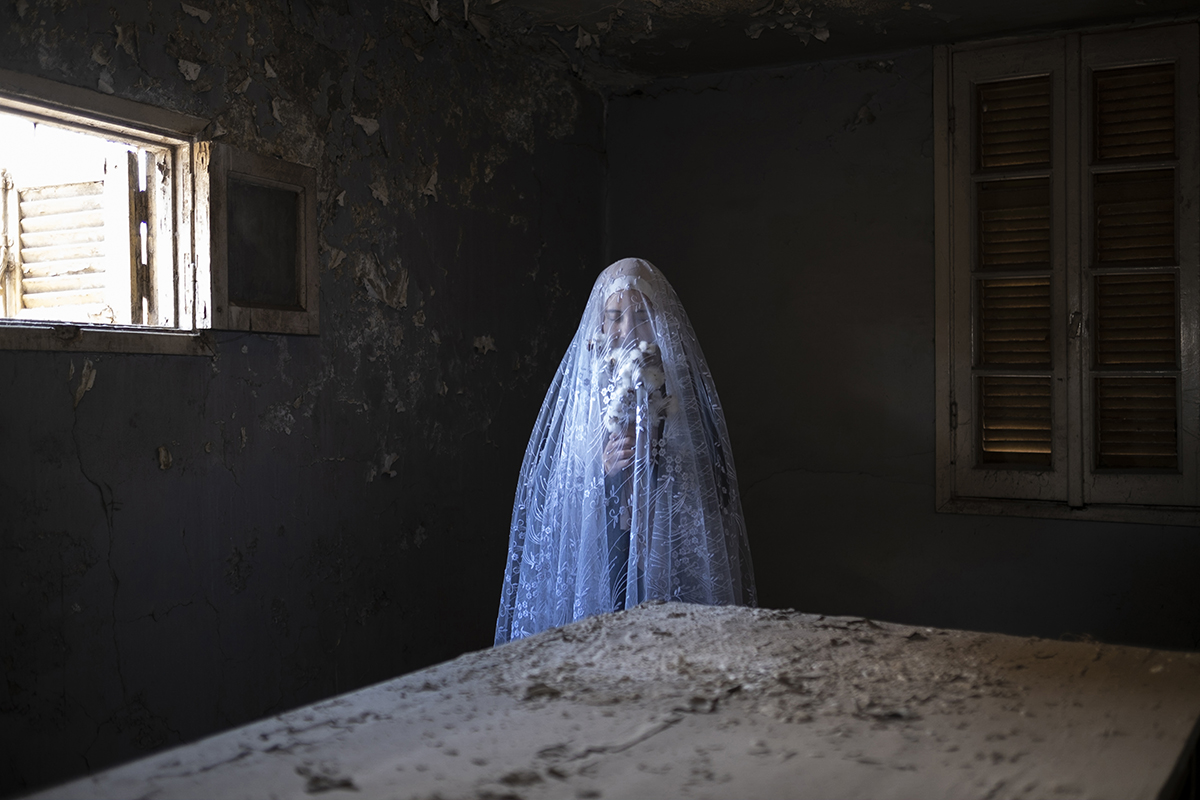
{"type": "Point", "coordinates": [666, 525]}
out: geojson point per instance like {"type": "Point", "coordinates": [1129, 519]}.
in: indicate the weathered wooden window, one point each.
{"type": "Point", "coordinates": [109, 229]}
{"type": "Point", "coordinates": [78, 241]}
{"type": "Point", "coordinates": [1068, 227]}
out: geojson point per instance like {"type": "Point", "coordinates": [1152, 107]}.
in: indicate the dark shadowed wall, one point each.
{"type": "Point", "coordinates": [336, 510]}
{"type": "Point", "coordinates": [793, 211]}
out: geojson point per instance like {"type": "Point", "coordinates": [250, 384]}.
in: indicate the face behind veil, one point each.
{"type": "Point", "coordinates": [627, 492]}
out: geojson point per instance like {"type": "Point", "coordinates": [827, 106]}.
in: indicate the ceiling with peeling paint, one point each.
{"type": "Point", "coordinates": [656, 37]}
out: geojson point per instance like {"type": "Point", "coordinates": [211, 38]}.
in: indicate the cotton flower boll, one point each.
{"type": "Point", "coordinates": [650, 377]}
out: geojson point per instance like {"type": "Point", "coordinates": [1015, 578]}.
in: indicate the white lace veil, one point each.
{"type": "Point", "coordinates": [659, 515]}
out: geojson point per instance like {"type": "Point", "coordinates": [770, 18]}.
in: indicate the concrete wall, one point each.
{"type": "Point", "coordinates": [793, 212]}
{"type": "Point", "coordinates": [337, 508]}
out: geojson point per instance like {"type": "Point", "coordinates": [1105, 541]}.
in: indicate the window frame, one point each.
{"type": "Point", "coordinates": [90, 111]}
{"type": "Point", "coordinates": [193, 227]}
{"type": "Point", "coordinates": [224, 162]}
{"type": "Point", "coordinates": [1068, 490]}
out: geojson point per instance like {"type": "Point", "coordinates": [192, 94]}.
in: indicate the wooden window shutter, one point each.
{"type": "Point", "coordinates": [1013, 315]}
{"type": "Point", "coordinates": [1135, 320]}
{"type": "Point", "coordinates": [1140, 267]}
{"type": "Point", "coordinates": [10, 268]}
{"type": "Point", "coordinates": [1135, 112]}
{"type": "Point", "coordinates": [1014, 224]}
{"type": "Point", "coordinates": [1067, 197]}
{"type": "Point", "coordinates": [1014, 123]}
{"type": "Point", "coordinates": [1009, 255]}
{"type": "Point", "coordinates": [1015, 420]}
{"type": "Point", "coordinates": [73, 249]}
{"type": "Point", "coordinates": [62, 251]}
{"type": "Point", "coordinates": [1136, 423]}
{"type": "Point", "coordinates": [1134, 217]}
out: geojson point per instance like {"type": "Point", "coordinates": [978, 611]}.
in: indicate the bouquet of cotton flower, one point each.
{"type": "Point", "coordinates": [636, 371]}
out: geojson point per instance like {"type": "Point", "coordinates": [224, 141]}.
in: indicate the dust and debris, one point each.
{"type": "Point", "coordinates": [369, 126]}
{"type": "Point", "coordinates": [87, 379]}
{"type": "Point", "coordinates": [189, 69]}
{"type": "Point", "coordinates": [484, 344]}
{"type": "Point", "coordinates": [388, 460]}
{"type": "Point", "coordinates": [481, 25]}
{"type": "Point", "coordinates": [125, 38]}
{"type": "Point", "coordinates": [584, 40]}
{"type": "Point", "coordinates": [678, 700]}
{"type": "Point", "coordinates": [324, 780]}
{"type": "Point", "coordinates": [336, 257]}
{"type": "Point", "coordinates": [243, 86]}
{"type": "Point", "coordinates": [278, 418]}
{"type": "Point", "coordinates": [100, 55]}
{"type": "Point", "coordinates": [431, 8]}
{"type": "Point", "coordinates": [429, 189]}
{"type": "Point", "coordinates": [240, 565]}
{"type": "Point", "coordinates": [864, 116]}
{"type": "Point", "coordinates": [268, 70]}
{"type": "Point", "coordinates": [198, 13]}
{"type": "Point", "coordinates": [379, 189]}
{"type": "Point", "coordinates": [388, 285]}
{"type": "Point", "coordinates": [792, 18]}
{"type": "Point", "coordinates": [164, 457]}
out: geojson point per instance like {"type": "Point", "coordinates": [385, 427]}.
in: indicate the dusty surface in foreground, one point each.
{"type": "Point", "coordinates": [671, 700]}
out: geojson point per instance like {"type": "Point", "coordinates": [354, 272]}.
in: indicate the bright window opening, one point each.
{"type": "Point", "coordinates": [78, 243]}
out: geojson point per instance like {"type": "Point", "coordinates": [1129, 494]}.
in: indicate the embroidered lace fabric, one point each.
{"type": "Point", "coordinates": [657, 516]}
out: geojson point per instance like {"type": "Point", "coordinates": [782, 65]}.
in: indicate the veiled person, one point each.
{"type": "Point", "coordinates": [627, 492]}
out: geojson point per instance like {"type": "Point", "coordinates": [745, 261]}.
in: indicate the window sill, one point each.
{"type": "Point", "coordinates": [1149, 515]}
{"type": "Point", "coordinates": [82, 338]}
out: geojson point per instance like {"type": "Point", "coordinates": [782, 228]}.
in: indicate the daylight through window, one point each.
{"type": "Point", "coordinates": [81, 239]}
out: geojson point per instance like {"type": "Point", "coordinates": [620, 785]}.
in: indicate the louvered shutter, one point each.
{"type": "Point", "coordinates": [1068, 267]}
{"type": "Point", "coordinates": [1140, 268]}
{"type": "Point", "coordinates": [62, 252]}
{"type": "Point", "coordinates": [73, 249]}
{"type": "Point", "coordinates": [1014, 123]}
{"type": "Point", "coordinates": [1009, 297]}
{"type": "Point", "coordinates": [1135, 112]}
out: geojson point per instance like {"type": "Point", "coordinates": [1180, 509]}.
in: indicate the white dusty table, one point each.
{"type": "Point", "coordinates": [671, 700]}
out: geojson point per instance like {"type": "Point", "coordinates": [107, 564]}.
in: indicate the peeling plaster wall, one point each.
{"type": "Point", "coordinates": [793, 211]}
{"type": "Point", "coordinates": [198, 542]}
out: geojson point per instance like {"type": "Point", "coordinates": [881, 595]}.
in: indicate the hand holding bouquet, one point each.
{"type": "Point", "coordinates": [635, 378]}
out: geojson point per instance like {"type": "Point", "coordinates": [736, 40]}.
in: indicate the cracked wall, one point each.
{"type": "Point", "coordinates": [792, 210]}
{"type": "Point", "coordinates": [191, 543]}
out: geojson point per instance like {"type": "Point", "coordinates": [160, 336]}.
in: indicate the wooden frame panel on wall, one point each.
{"type": "Point", "coordinates": [299, 313]}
